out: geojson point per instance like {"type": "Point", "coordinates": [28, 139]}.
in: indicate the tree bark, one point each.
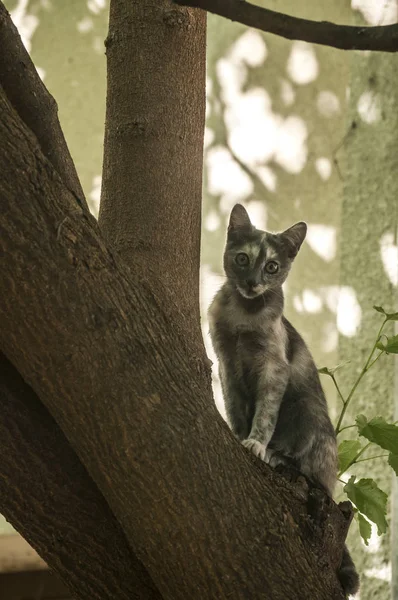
{"type": "Point", "coordinates": [103, 546]}
{"type": "Point", "coordinates": [34, 104]}
{"type": "Point", "coordinates": [152, 174]}
{"type": "Point", "coordinates": [46, 493]}
{"type": "Point", "coordinates": [99, 347]}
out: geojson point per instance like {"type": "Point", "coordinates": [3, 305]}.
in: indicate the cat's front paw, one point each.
{"type": "Point", "coordinates": [256, 447]}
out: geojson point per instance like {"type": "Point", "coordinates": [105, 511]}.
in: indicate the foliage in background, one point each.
{"type": "Point", "coordinates": [369, 500]}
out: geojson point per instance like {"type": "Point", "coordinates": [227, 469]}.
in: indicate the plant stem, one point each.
{"type": "Point", "coordinates": [372, 457]}
{"type": "Point", "coordinates": [338, 389]}
{"type": "Point", "coordinates": [355, 459]}
{"type": "Point", "coordinates": [367, 366]}
{"type": "Point", "coordinates": [375, 360]}
{"type": "Point", "coordinates": [347, 427]}
{"type": "Point", "coordinates": [374, 346]}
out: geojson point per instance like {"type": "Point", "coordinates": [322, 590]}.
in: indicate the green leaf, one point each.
{"type": "Point", "coordinates": [380, 309]}
{"type": "Point", "coordinates": [361, 421]}
{"type": "Point", "coordinates": [393, 462]}
{"type": "Point", "coordinates": [324, 370]}
{"type": "Point", "coordinates": [390, 346]}
{"type": "Point", "coordinates": [365, 528]}
{"type": "Point", "coordinates": [348, 449]}
{"type": "Point", "coordinates": [332, 371]}
{"type": "Point", "coordinates": [370, 500]}
{"type": "Point", "coordinates": [378, 431]}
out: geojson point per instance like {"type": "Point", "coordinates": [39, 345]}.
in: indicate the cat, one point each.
{"type": "Point", "coordinates": [273, 396]}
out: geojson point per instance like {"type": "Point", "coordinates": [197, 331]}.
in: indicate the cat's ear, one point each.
{"type": "Point", "coordinates": [294, 237]}
{"type": "Point", "coordinates": [239, 219]}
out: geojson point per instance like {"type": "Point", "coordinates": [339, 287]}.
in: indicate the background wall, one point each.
{"type": "Point", "coordinates": [295, 132]}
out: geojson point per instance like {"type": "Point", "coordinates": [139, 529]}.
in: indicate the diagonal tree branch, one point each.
{"type": "Point", "coordinates": [382, 38]}
{"type": "Point", "coordinates": [34, 104]}
{"type": "Point", "coordinates": [46, 493]}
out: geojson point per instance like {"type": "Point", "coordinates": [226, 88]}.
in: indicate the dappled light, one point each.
{"type": "Point", "coordinates": [302, 64]}
{"type": "Point", "coordinates": [85, 25]}
{"type": "Point", "coordinates": [323, 167]}
{"type": "Point", "coordinates": [382, 572]}
{"type": "Point", "coordinates": [383, 12]}
{"type": "Point", "coordinates": [95, 194]}
{"type": "Point", "coordinates": [237, 187]}
{"type": "Point", "coordinates": [369, 107]}
{"type": "Point", "coordinates": [389, 256]}
{"type": "Point", "coordinates": [250, 48]}
{"type": "Point", "coordinates": [288, 95]}
{"type": "Point", "coordinates": [96, 6]}
{"type": "Point", "coordinates": [25, 22]}
{"type": "Point", "coordinates": [349, 312]}
{"type": "Point", "coordinates": [322, 240]}
{"type": "Point", "coordinates": [328, 103]}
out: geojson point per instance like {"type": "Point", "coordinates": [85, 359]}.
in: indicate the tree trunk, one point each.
{"type": "Point", "coordinates": [106, 351]}
{"type": "Point", "coordinates": [22, 453]}
{"type": "Point", "coordinates": [152, 174]}
{"type": "Point", "coordinates": [46, 493]}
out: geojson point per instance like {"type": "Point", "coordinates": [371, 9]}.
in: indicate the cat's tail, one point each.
{"type": "Point", "coordinates": [347, 574]}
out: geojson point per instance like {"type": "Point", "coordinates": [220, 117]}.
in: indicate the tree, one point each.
{"type": "Point", "coordinates": [143, 492]}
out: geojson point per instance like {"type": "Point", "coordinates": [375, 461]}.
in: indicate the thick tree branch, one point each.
{"type": "Point", "coordinates": [345, 37]}
{"type": "Point", "coordinates": [100, 348]}
{"type": "Point", "coordinates": [151, 198]}
{"type": "Point", "coordinates": [46, 493]}
{"type": "Point", "coordinates": [34, 104]}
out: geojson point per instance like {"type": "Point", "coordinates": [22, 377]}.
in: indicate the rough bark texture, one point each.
{"type": "Point", "coordinates": [46, 493]}
{"type": "Point", "coordinates": [28, 495]}
{"type": "Point", "coordinates": [345, 37]}
{"type": "Point", "coordinates": [152, 173]}
{"type": "Point", "coordinates": [99, 347]}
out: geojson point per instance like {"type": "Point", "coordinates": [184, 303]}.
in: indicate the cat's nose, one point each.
{"type": "Point", "coordinates": [251, 283]}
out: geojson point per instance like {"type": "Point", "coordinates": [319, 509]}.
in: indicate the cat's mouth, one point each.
{"type": "Point", "coordinates": [250, 292]}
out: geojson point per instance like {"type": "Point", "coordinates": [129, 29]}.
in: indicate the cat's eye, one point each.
{"type": "Point", "coordinates": [242, 259]}
{"type": "Point", "coordinates": [271, 267]}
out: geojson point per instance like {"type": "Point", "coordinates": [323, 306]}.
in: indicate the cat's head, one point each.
{"type": "Point", "coordinates": [257, 261]}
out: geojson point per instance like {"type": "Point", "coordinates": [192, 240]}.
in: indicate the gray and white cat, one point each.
{"type": "Point", "coordinates": [273, 396]}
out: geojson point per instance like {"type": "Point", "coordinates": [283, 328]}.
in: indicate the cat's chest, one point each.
{"type": "Point", "coordinates": [255, 349]}
{"type": "Point", "coordinates": [250, 351]}
{"type": "Point", "coordinates": [250, 342]}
